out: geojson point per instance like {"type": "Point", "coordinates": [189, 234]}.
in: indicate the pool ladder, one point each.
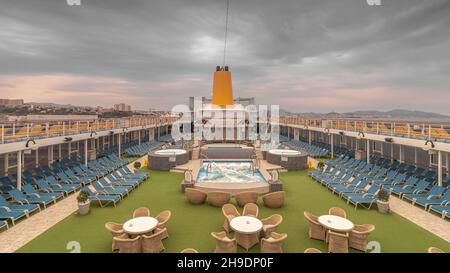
{"type": "Point", "coordinates": [208, 168]}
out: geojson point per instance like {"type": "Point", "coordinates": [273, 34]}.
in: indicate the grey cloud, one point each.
{"type": "Point", "coordinates": [275, 48]}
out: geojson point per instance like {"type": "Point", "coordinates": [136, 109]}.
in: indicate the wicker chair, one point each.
{"type": "Point", "coordinates": [316, 230]}
{"type": "Point", "coordinates": [274, 243]}
{"type": "Point", "coordinates": [337, 212]}
{"type": "Point", "coordinates": [116, 230]}
{"type": "Point", "coordinates": [358, 236]}
{"type": "Point", "coordinates": [270, 224]}
{"type": "Point", "coordinates": [244, 198]}
{"type": "Point", "coordinates": [435, 250]}
{"type": "Point", "coordinates": [337, 242]}
{"type": "Point", "coordinates": [274, 199]}
{"type": "Point", "coordinates": [195, 196]}
{"type": "Point", "coordinates": [141, 212]}
{"type": "Point", "coordinates": [312, 250]}
{"type": "Point", "coordinates": [251, 209]}
{"type": "Point", "coordinates": [218, 198]}
{"type": "Point", "coordinates": [229, 211]}
{"type": "Point", "coordinates": [127, 245]}
{"type": "Point", "coordinates": [223, 243]}
{"type": "Point", "coordinates": [163, 218]}
{"type": "Point", "coordinates": [189, 250]}
{"type": "Point", "coordinates": [153, 243]}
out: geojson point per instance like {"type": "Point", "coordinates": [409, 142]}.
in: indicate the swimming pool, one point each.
{"type": "Point", "coordinates": [228, 172]}
{"type": "Point", "coordinates": [171, 152]}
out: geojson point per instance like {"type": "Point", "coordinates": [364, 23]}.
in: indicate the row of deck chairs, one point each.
{"type": "Point", "coordinates": [165, 138]}
{"type": "Point", "coordinates": [143, 148]}
{"type": "Point", "coordinates": [110, 178]}
{"type": "Point", "coordinates": [312, 150]}
{"type": "Point", "coordinates": [359, 182]}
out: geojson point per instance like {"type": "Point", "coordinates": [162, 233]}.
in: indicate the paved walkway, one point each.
{"type": "Point", "coordinates": [28, 229]}
{"type": "Point", "coordinates": [420, 217]}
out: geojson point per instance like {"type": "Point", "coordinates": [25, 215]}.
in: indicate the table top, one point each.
{"type": "Point", "coordinates": [246, 224]}
{"type": "Point", "coordinates": [336, 223]}
{"type": "Point", "coordinates": [140, 225]}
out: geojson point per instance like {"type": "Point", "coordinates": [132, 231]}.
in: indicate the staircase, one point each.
{"type": "Point", "coordinates": [259, 154]}
{"type": "Point", "coordinates": [195, 153]}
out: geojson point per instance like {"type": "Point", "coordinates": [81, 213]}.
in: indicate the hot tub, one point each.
{"type": "Point", "coordinates": [288, 159]}
{"type": "Point", "coordinates": [167, 159]}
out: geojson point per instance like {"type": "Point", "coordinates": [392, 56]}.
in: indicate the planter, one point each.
{"type": "Point", "coordinates": [83, 208]}
{"type": "Point", "coordinates": [383, 206]}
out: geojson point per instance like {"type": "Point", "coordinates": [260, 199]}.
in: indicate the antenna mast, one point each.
{"type": "Point", "coordinates": [226, 33]}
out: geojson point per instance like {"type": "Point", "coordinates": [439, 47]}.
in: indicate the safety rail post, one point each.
{"type": "Point", "coordinates": [409, 130]}
{"type": "Point", "coordinates": [28, 130]}
{"type": "Point", "coordinates": [3, 133]}
{"type": "Point", "coordinates": [47, 125]}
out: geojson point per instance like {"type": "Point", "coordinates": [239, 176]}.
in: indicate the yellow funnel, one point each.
{"type": "Point", "coordinates": [222, 89]}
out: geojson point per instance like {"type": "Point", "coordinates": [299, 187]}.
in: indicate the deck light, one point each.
{"type": "Point", "coordinates": [428, 147]}
{"type": "Point", "coordinates": [342, 133]}
{"type": "Point", "coordinates": [389, 139]}
{"type": "Point", "coordinates": [361, 135]}
{"type": "Point", "coordinates": [33, 146]}
{"type": "Point", "coordinates": [93, 133]}
{"type": "Point", "coordinates": [67, 139]}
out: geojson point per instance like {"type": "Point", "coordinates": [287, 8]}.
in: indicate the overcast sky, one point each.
{"type": "Point", "coordinates": [305, 55]}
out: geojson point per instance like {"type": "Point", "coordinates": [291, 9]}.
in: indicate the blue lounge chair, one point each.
{"type": "Point", "coordinates": [105, 185]}
{"type": "Point", "coordinates": [365, 201]}
{"type": "Point", "coordinates": [13, 216]}
{"type": "Point", "coordinates": [4, 224]}
{"type": "Point", "coordinates": [30, 190]}
{"type": "Point", "coordinates": [398, 187]}
{"type": "Point", "coordinates": [45, 187]}
{"type": "Point", "coordinates": [30, 199]}
{"type": "Point", "coordinates": [108, 191]}
{"type": "Point", "coordinates": [435, 192]}
{"type": "Point", "coordinates": [418, 188]}
{"type": "Point", "coordinates": [122, 182]}
{"type": "Point", "coordinates": [361, 186]}
{"type": "Point", "coordinates": [353, 183]}
{"type": "Point", "coordinates": [372, 190]}
{"type": "Point", "coordinates": [65, 186]}
{"type": "Point", "coordinates": [27, 208]}
{"type": "Point", "coordinates": [102, 199]}
{"type": "Point", "coordinates": [434, 201]}
{"type": "Point", "coordinates": [443, 210]}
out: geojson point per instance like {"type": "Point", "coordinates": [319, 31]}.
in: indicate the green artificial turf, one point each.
{"type": "Point", "coordinates": [191, 225]}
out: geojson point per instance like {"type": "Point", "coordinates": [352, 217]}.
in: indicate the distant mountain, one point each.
{"type": "Point", "coordinates": [400, 113]}
{"type": "Point", "coordinates": [51, 104]}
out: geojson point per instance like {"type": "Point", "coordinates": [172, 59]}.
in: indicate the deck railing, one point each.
{"type": "Point", "coordinates": [437, 132]}
{"type": "Point", "coordinates": [22, 131]}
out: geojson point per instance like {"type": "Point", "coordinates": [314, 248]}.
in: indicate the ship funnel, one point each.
{"type": "Point", "coordinates": [222, 87]}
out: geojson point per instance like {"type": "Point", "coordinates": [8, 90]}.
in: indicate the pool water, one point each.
{"type": "Point", "coordinates": [170, 152]}
{"type": "Point", "coordinates": [224, 147]}
{"type": "Point", "coordinates": [228, 171]}
{"type": "Point", "coordinates": [284, 152]}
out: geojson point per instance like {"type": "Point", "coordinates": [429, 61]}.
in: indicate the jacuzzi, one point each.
{"type": "Point", "coordinates": [167, 159]}
{"type": "Point", "coordinates": [288, 159]}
